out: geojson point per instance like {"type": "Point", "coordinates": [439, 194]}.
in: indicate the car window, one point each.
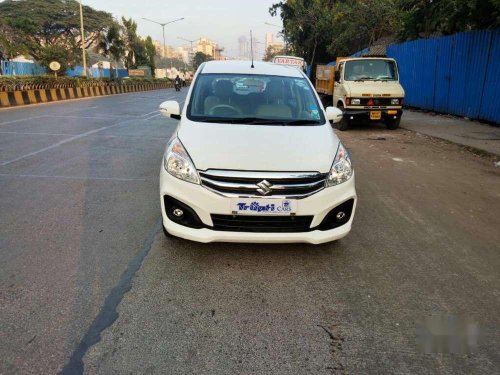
{"type": "Point", "coordinates": [254, 99]}
{"type": "Point", "coordinates": [370, 69]}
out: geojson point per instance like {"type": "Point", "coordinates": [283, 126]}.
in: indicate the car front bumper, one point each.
{"type": "Point", "coordinates": [205, 202]}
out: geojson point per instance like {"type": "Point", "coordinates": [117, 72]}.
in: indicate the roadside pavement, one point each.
{"type": "Point", "coordinates": [457, 130]}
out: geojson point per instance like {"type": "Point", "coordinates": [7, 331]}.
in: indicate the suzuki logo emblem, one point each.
{"type": "Point", "coordinates": [264, 187]}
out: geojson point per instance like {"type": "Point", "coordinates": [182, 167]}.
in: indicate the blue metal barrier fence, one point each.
{"type": "Point", "coordinates": [457, 74]}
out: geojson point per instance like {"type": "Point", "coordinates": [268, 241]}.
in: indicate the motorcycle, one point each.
{"type": "Point", "coordinates": [177, 86]}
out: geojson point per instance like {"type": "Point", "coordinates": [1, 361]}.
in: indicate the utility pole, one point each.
{"type": "Point", "coordinates": [191, 52]}
{"type": "Point", "coordinates": [84, 58]}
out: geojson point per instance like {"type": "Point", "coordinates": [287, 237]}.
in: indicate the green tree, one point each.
{"type": "Point", "coordinates": [272, 51]}
{"type": "Point", "coordinates": [321, 30]}
{"type": "Point", "coordinates": [424, 18]}
{"type": "Point", "coordinates": [135, 48]}
{"type": "Point", "coordinates": [199, 58]}
{"type": "Point", "coordinates": [306, 27]}
{"type": "Point", "coordinates": [38, 24]}
{"type": "Point", "coordinates": [112, 46]}
{"type": "Point", "coordinates": [57, 53]}
{"type": "Point", "coordinates": [150, 54]}
{"type": "Point", "coordinates": [358, 24]}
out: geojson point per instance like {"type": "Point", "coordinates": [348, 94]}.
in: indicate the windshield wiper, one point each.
{"type": "Point", "coordinates": [256, 121]}
{"type": "Point", "coordinates": [364, 79]}
{"type": "Point", "coordinates": [302, 122]}
{"type": "Point", "coordinates": [267, 121]}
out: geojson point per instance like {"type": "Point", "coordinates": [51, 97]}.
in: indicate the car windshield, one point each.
{"type": "Point", "coordinates": [370, 69]}
{"type": "Point", "coordinates": [254, 99]}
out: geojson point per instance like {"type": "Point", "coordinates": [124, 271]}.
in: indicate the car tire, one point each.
{"type": "Point", "coordinates": [392, 124]}
{"type": "Point", "coordinates": [344, 124]}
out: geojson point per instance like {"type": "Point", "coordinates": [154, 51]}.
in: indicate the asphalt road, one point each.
{"type": "Point", "coordinates": [89, 283]}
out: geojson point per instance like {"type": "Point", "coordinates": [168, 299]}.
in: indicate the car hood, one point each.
{"type": "Point", "coordinates": [259, 147]}
{"type": "Point", "coordinates": [379, 88]}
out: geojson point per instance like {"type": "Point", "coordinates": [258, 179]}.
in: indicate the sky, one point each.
{"type": "Point", "coordinates": [222, 21]}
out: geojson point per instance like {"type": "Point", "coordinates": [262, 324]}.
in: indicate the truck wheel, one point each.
{"type": "Point", "coordinates": [344, 124]}
{"type": "Point", "coordinates": [392, 124]}
{"type": "Point", "coordinates": [326, 100]}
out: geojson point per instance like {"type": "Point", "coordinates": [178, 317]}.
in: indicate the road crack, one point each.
{"type": "Point", "coordinates": [336, 345]}
{"type": "Point", "coordinates": [108, 313]}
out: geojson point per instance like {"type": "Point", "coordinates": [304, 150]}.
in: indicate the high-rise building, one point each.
{"type": "Point", "coordinates": [242, 47]}
{"type": "Point", "coordinates": [269, 39]}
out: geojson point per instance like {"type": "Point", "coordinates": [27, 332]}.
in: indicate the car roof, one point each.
{"type": "Point", "coordinates": [244, 67]}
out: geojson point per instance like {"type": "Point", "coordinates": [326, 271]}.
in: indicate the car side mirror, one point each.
{"type": "Point", "coordinates": [337, 76]}
{"type": "Point", "coordinates": [334, 114]}
{"type": "Point", "coordinates": [171, 109]}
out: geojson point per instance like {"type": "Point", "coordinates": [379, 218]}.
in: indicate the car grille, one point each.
{"type": "Point", "coordinates": [263, 184]}
{"type": "Point", "coordinates": [262, 224]}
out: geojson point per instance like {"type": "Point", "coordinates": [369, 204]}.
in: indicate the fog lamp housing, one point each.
{"type": "Point", "coordinates": [338, 216]}
{"type": "Point", "coordinates": [180, 213]}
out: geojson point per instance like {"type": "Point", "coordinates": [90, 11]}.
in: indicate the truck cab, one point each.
{"type": "Point", "coordinates": [368, 89]}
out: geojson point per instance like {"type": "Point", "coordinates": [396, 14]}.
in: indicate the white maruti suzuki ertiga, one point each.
{"type": "Point", "coordinates": [255, 159]}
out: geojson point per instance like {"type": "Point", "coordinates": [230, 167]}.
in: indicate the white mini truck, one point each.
{"type": "Point", "coordinates": [255, 159]}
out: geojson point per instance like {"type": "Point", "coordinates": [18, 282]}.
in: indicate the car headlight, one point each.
{"type": "Point", "coordinates": [394, 101]}
{"type": "Point", "coordinates": [178, 163]}
{"type": "Point", "coordinates": [341, 170]}
{"type": "Point", "coordinates": [355, 101]}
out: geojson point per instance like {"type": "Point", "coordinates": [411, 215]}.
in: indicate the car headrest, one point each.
{"type": "Point", "coordinates": [275, 90]}
{"type": "Point", "coordinates": [223, 88]}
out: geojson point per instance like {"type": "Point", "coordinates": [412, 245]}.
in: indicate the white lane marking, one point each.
{"type": "Point", "coordinates": [103, 136]}
{"type": "Point", "coordinates": [71, 177]}
{"type": "Point", "coordinates": [23, 133]}
{"type": "Point", "coordinates": [102, 117]}
{"type": "Point", "coordinates": [149, 113]}
{"type": "Point", "coordinates": [20, 120]}
{"type": "Point", "coordinates": [149, 118]}
{"type": "Point", "coordinates": [60, 143]}
{"type": "Point", "coordinates": [84, 108]}
{"type": "Point", "coordinates": [126, 101]}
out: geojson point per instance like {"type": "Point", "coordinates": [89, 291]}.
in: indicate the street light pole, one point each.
{"type": "Point", "coordinates": [164, 47]}
{"type": "Point", "coordinates": [191, 51]}
{"type": "Point", "coordinates": [163, 24]}
{"type": "Point", "coordinates": [84, 58]}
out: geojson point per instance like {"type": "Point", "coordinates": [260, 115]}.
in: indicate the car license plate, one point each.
{"type": "Point", "coordinates": [263, 206]}
{"type": "Point", "coordinates": [375, 115]}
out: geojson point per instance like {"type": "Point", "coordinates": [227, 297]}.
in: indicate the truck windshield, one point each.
{"type": "Point", "coordinates": [254, 99]}
{"type": "Point", "coordinates": [370, 69]}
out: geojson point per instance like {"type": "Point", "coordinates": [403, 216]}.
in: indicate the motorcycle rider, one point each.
{"type": "Point", "coordinates": [178, 82]}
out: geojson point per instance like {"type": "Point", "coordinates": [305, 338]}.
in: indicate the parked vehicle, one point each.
{"type": "Point", "coordinates": [365, 89]}
{"type": "Point", "coordinates": [254, 159]}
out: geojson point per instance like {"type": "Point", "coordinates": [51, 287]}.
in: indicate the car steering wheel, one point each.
{"type": "Point", "coordinates": [225, 107]}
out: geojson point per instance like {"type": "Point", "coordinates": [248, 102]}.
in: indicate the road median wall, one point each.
{"type": "Point", "coordinates": [25, 96]}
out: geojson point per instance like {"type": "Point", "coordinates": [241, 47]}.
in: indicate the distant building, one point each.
{"type": "Point", "coordinates": [269, 39]}
{"type": "Point", "coordinates": [206, 46]}
{"type": "Point", "coordinates": [209, 48]}
{"type": "Point", "coordinates": [242, 47]}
